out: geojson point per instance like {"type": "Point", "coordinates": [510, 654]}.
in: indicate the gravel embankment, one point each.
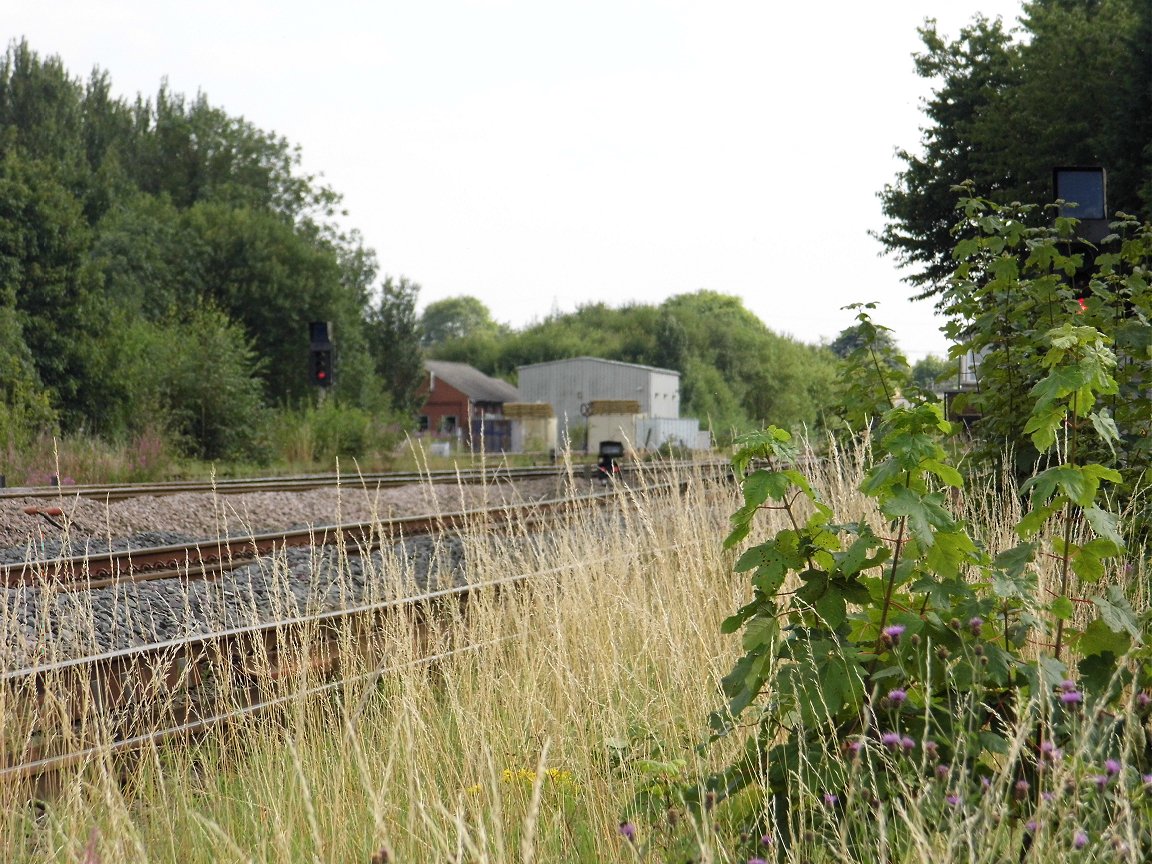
{"type": "Point", "coordinates": [200, 515]}
{"type": "Point", "coordinates": [41, 624]}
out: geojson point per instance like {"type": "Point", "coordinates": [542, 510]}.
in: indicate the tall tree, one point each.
{"type": "Point", "coordinates": [1072, 88]}
{"type": "Point", "coordinates": [455, 318]}
{"type": "Point", "coordinates": [919, 206]}
{"type": "Point", "coordinates": [46, 276]}
{"type": "Point", "coordinates": [857, 336]}
{"type": "Point", "coordinates": [394, 342]}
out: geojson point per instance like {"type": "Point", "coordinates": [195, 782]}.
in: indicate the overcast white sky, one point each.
{"type": "Point", "coordinates": [541, 155]}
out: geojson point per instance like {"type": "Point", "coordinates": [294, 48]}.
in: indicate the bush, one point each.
{"type": "Point", "coordinates": [195, 378]}
{"type": "Point", "coordinates": [26, 410]}
{"type": "Point", "coordinates": [326, 433]}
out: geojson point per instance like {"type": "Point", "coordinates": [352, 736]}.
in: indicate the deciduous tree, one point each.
{"type": "Point", "coordinates": [394, 342]}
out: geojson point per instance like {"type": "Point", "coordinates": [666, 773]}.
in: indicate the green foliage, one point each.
{"type": "Point", "coordinates": [911, 637]}
{"type": "Point", "coordinates": [25, 408]}
{"type": "Point", "coordinates": [332, 433]}
{"type": "Point", "coordinates": [198, 376]}
{"type": "Point", "coordinates": [46, 278]}
{"type": "Point", "coordinates": [874, 375]}
{"type": "Point", "coordinates": [1013, 303]}
{"type": "Point", "coordinates": [394, 343]}
{"type": "Point", "coordinates": [707, 394]}
{"type": "Point", "coordinates": [455, 318]}
{"type": "Point", "coordinates": [113, 213]}
{"type": "Point", "coordinates": [931, 373]}
{"type": "Point", "coordinates": [865, 335]}
{"type": "Point", "coordinates": [1070, 88]}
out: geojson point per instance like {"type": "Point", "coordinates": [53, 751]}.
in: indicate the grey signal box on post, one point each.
{"type": "Point", "coordinates": [320, 357]}
{"type": "Point", "coordinates": [1087, 189]}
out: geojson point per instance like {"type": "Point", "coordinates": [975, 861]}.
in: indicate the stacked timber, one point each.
{"type": "Point", "coordinates": [606, 407]}
{"type": "Point", "coordinates": [528, 410]}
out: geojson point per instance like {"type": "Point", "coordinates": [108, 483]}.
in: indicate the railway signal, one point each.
{"type": "Point", "coordinates": [320, 362]}
{"type": "Point", "coordinates": [322, 367]}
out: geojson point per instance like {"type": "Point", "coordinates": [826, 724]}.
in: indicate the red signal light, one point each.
{"type": "Point", "coordinates": [321, 364]}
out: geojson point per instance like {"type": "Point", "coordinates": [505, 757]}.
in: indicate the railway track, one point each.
{"type": "Point", "coordinates": [84, 709]}
{"type": "Point", "coordinates": [298, 483]}
{"type": "Point", "coordinates": [210, 558]}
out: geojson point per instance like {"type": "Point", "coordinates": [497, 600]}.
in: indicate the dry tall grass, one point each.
{"type": "Point", "coordinates": [553, 704]}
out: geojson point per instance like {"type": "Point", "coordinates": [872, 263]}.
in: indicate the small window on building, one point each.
{"type": "Point", "coordinates": [448, 424]}
{"type": "Point", "coordinates": [422, 423]}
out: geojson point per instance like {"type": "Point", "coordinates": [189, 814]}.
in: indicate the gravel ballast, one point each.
{"type": "Point", "coordinates": [41, 623]}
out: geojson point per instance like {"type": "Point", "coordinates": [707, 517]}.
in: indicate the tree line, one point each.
{"type": "Point", "coordinates": [735, 371]}
{"type": "Point", "coordinates": [159, 263]}
{"type": "Point", "coordinates": [160, 260]}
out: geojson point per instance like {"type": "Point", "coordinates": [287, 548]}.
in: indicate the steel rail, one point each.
{"type": "Point", "coordinates": [295, 483]}
{"type": "Point", "coordinates": [203, 559]}
{"type": "Point", "coordinates": [208, 558]}
{"type": "Point", "coordinates": [307, 482]}
{"type": "Point", "coordinates": [114, 680]}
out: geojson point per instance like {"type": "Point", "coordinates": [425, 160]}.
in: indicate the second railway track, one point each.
{"type": "Point", "coordinates": [295, 483]}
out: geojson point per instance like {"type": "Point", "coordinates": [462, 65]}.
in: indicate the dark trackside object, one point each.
{"type": "Point", "coordinates": [610, 451]}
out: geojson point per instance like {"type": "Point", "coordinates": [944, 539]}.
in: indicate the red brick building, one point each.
{"type": "Point", "coordinates": [463, 404]}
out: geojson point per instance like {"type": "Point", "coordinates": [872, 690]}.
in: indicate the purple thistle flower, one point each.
{"type": "Point", "coordinates": [1143, 700]}
{"type": "Point", "coordinates": [1080, 839]}
{"type": "Point", "coordinates": [1049, 751]}
{"type": "Point", "coordinates": [908, 743]}
{"type": "Point", "coordinates": [628, 831]}
{"type": "Point", "coordinates": [985, 783]}
{"type": "Point", "coordinates": [953, 800]}
{"type": "Point", "coordinates": [897, 696]}
{"type": "Point", "coordinates": [1147, 778]}
{"type": "Point", "coordinates": [893, 632]}
{"type": "Point", "coordinates": [757, 861]}
{"type": "Point", "coordinates": [767, 840]}
{"type": "Point", "coordinates": [942, 771]}
{"type": "Point", "coordinates": [1071, 697]}
{"type": "Point", "coordinates": [1031, 825]}
{"type": "Point", "coordinates": [1020, 790]}
{"type": "Point", "coordinates": [830, 799]}
{"type": "Point", "coordinates": [853, 747]}
{"type": "Point", "coordinates": [1112, 766]}
{"type": "Point", "coordinates": [975, 625]}
{"type": "Point", "coordinates": [891, 740]}
{"type": "Point", "coordinates": [931, 747]}
{"type": "Point", "coordinates": [1101, 780]}
{"type": "Point", "coordinates": [1068, 685]}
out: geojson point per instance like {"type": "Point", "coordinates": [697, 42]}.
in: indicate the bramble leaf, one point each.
{"type": "Point", "coordinates": [1104, 524]}
{"type": "Point", "coordinates": [1062, 608]}
{"type": "Point", "coordinates": [946, 473]}
{"type": "Point", "coordinates": [760, 633]}
{"type": "Point", "coordinates": [1098, 638]}
{"type": "Point", "coordinates": [924, 513]}
{"type": "Point", "coordinates": [1117, 612]}
{"type": "Point", "coordinates": [761, 485]}
{"type": "Point", "coordinates": [831, 607]}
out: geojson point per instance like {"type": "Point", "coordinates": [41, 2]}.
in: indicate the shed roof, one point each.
{"type": "Point", "coordinates": [599, 360]}
{"type": "Point", "coordinates": [472, 382]}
